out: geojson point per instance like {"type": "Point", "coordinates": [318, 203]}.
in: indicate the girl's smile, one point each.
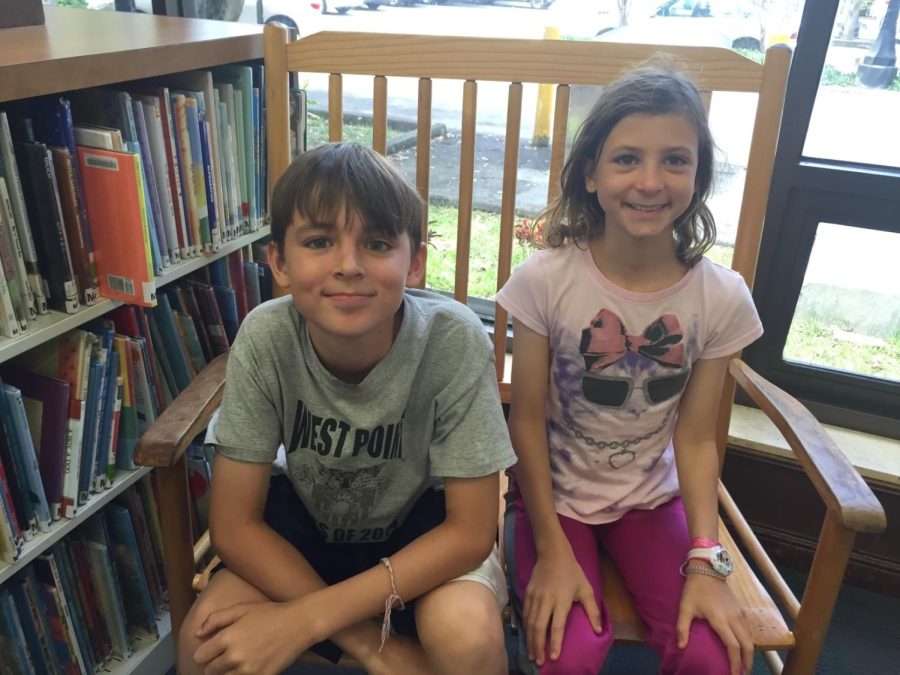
{"type": "Point", "coordinates": [644, 175]}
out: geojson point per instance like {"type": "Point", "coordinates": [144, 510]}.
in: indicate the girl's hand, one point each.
{"type": "Point", "coordinates": [556, 582]}
{"type": "Point", "coordinates": [706, 597]}
{"type": "Point", "coordinates": [262, 638]}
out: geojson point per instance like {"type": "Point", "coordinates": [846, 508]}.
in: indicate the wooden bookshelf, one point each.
{"type": "Point", "coordinates": [77, 49]}
{"type": "Point", "coordinates": [80, 48]}
{"type": "Point", "coordinates": [54, 324]}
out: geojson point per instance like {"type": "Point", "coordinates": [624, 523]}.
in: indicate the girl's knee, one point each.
{"type": "Point", "coordinates": [704, 654]}
{"type": "Point", "coordinates": [576, 660]}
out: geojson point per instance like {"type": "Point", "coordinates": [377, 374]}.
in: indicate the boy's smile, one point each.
{"type": "Point", "coordinates": [347, 280]}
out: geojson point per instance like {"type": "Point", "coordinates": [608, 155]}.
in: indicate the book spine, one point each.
{"type": "Point", "coordinates": [9, 322]}
{"type": "Point", "coordinates": [68, 624]}
{"type": "Point", "coordinates": [198, 172]}
{"type": "Point", "coordinates": [7, 505]}
{"type": "Point", "coordinates": [6, 206]}
{"type": "Point", "coordinates": [28, 604]}
{"type": "Point", "coordinates": [187, 173]}
{"type": "Point", "coordinates": [153, 118]}
{"type": "Point", "coordinates": [214, 227]}
{"type": "Point", "coordinates": [17, 198]}
{"type": "Point", "coordinates": [28, 457]}
{"type": "Point", "coordinates": [18, 658]}
{"type": "Point", "coordinates": [16, 281]}
{"type": "Point", "coordinates": [170, 137]}
{"type": "Point", "coordinates": [75, 227]}
{"type": "Point", "coordinates": [150, 182]}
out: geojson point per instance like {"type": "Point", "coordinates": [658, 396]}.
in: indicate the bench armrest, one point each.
{"type": "Point", "coordinates": [836, 480]}
{"type": "Point", "coordinates": [164, 443]}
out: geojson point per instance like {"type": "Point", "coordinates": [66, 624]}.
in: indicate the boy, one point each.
{"type": "Point", "coordinates": [386, 403]}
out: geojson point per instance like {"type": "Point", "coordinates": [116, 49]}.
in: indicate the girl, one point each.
{"type": "Point", "coordinates": [622, 333]}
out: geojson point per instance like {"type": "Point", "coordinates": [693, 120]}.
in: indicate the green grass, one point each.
{"type": "Point", "coordinates": [317, 132]}
{"type": "Point", "coordinates": [811, 340]}
{"type": "Point", "coordinates": [442, 222]}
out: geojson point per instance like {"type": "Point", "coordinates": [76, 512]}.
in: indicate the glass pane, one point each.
{"type": "Point", "coordinates": [855, 114]}
{"type": "Point", "coordinates": [848, 314]}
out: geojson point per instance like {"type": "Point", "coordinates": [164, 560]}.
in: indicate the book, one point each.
{"type": "Point", "coordinates": [153, 117]}
{"type": "Point", "coordinates": [106, 581]}
{"type": "Point", "coordinates": [10, 546]}
{"type": "Point", "coordinates": [58, 607]}
{"type": "Point", "coordinates": [95, 623]}
{"type": "Point", "coordinates": [66, 660]}
{"type": "Point", "coordinates": [13, 645]}
{"type": "Point", "coordinates": [67, 358]}
{"type": "Point", "coordinates": [172, 343]}
{"type": "Point", "coordinates": [46, 401]}
{"type": "Point", "coordinates": [13, 536]}
{"type": "Point", "coordinates": [26, 455]}
{"type": "Point", "coordinates": [119, 227]}
{"type": "Point", "coordinates": [144, 489]}
{"type": "Point", "coordinates": [75, 600]}
{"type": "Point", "coordinates": [10, 172]}
{"type": "Point", "coordinates": [131, 500]}
{"type": "Point", "coordinates": [150, 184]}
{"type": "Point", "coordinates": [212, 317]}
{"type": "Point", "coordinates": [100, 137]}
{"type": "Point", "coordinates": [12, 264]}
{"type": "Point", "coordinates": [8, 218]}
{"type": "Point", "coordinates": [76, 228]}
{"type": "Point", "coordinates": [15, 474]}
{"type": "Point", "coordinates": [128, 424]}
{"type": "Point", "coordinates": [10, 321]}
{"type": "Point", "coordinates": [42, 202]}
{"type": "Point", "coordinates": [236, 274]}
{"type": "Point", "coordinates": [251, 282]}
{"type": "Point", "coordinates": [127, 559]}
{"type": "Point", "coordinates": [24, 590]}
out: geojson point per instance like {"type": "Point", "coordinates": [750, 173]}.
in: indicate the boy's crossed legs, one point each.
{"type": "Point", "coordinates": [458, 623]}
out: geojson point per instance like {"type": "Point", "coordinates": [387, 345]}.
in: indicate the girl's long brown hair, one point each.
{"type": "Point", "coordinates": [575, 215]}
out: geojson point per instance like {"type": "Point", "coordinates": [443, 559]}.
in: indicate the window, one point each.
{"type": "Point", "coordinates": [828, 283]}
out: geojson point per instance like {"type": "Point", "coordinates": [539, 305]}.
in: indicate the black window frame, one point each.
{"type": "Point", "coordinates": [807, 191]}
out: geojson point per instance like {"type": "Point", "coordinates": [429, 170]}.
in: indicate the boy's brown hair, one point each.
{"type": "Point", "coordinates": [322, 183]}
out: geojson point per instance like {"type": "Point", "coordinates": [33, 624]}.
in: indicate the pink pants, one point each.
{"type": "Point", "coordinates": [648, 547]}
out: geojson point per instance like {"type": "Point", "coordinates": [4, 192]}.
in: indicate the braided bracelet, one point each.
{"type": "Point", "coordinates": [698, 569]}
{"type": "Point", "coordinates": [389, 604]}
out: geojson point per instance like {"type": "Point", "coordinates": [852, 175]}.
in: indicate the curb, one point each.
{"type": "Point", "coordinates": [403, 141]}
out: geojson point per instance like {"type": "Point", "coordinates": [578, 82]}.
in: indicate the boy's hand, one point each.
{"type": "Point", "coordinates": [262, 638]}
{"type": "Point", "coordinates": [706, 597]}
{"type": "Point", "coordinates": [556, 582]}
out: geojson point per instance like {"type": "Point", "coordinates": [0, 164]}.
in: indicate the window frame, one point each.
{"type": "Point", "coordinates": [807, 191]}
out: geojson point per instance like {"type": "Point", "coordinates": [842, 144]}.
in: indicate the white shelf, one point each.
{"type": "Point", "coordinates": [54, 324]}
{"type": "Point", "coordinates": [151, 656]}
{"type": "Point", "coordinates": [65, 526]}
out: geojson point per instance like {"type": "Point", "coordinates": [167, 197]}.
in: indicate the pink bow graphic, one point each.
{"type": "Point", "coordinates": [605, 341]}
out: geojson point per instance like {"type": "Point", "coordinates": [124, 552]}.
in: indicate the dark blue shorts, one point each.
{"type": "Point", "coordinates": [286, 514]}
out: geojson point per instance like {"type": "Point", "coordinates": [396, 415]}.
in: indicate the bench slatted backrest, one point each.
{"type": "Point", "coordinates": [517, 62]}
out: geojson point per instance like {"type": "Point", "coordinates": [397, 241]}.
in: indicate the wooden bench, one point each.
{"type": "Point", "coordinates": [851, 507]}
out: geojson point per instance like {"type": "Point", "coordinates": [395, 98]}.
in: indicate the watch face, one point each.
{"type": "Point", "coordinates": [720, 559]}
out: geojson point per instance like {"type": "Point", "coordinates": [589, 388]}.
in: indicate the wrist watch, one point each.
{"type": "Point", "coordinates": [717, 556]}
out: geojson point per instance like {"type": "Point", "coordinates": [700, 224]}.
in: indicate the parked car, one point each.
{"type": "Point", "coordinates": [709, 23]}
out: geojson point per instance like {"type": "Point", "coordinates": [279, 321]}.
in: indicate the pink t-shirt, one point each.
{"type": "Point", "coordinates": [619, 363]}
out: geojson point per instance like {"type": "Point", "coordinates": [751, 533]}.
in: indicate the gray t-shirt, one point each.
{"type": "Point", "coordinates": [359, 455]}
